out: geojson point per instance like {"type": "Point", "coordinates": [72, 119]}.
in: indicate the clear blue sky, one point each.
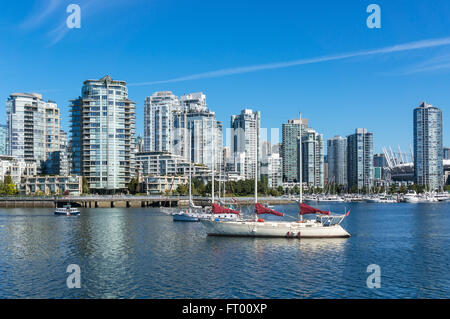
{"type": "Point", "coordinates": [152, 41]}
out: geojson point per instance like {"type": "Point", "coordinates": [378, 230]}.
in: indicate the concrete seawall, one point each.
{"type": "Point", "coordinates": [126, 202]}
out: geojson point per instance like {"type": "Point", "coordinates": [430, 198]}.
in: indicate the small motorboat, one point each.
{"type": "Point", "coordinates": [67, 210]}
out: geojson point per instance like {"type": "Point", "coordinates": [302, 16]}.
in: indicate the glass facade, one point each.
{"type": "Point", "coordinates": [3, 132]}
{"type": "Point", "coordinates": [337, 160]}
{"type": "Point", "coordinates": [428, 150]}
{"type": "Point", "coordinates": [312, 158]}
{"type": "Point", "coordinates": [290, 133]}
{"type": "Point", "coordinates": [245, 133]}
{"type": "Point", "coordinates": [360, 159]}
{"type": "Point", "coordinates": [103, 135]}
{"type": "Point", "coordinates": [33, 127]}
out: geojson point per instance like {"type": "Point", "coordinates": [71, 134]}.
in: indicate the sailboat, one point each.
{"type": "Point", "coordinates": [197, 213]}
{"type": "Point", "coordinates": [193, 213]}
{"type": "Point", "coordinates": [324, 225]}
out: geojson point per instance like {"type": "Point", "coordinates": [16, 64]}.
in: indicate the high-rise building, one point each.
{"type": "Point", "coordinates": [3, 133]}
{"type": "Point", "coordinates": [271, 168]}
{"type": "Point", "coordinates": [447, 153]}
{"type": "Point", "coordinates": [428, 150]}
{"type": "Point", "coordinates": [103, 135]}
{"type": "Point", "coordinates": [337, 160]}
{"type": "Point", "coordinates": [32, 128]}
{"type": "Point", "coordinates": [159, 133]}
{"type": "Point", "coordinates": [245, 133]}
{"type": "Point", "coordinates": [290, 134]}
{"type": "Point", "coordinates": [360, 159]}
{"type": "Point", "coordinates": [312, 158]}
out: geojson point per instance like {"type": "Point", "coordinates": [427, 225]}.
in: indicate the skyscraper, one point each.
{"type": "Point", "coordinates": [337, 160]}
{"type": "Point", "coordinates": [428, 150]}
{"type": "Point", "coordinates": [312, 158]}
{"type": "Point", "coordinates": [290, 134]}
{"type": "Point", "coordinates": [447, 153]}
{"type": "Point", "coordinates": [245, 132]}
{"type": "Point", "coordinates": [159, 121]}
{"type": "Point", "coordinates": [206, 132]}
{"type": "Point", "coordinates": [32, 128]}
{"type": "Point", "coordinates": [3, 133]}
{"type": "Point", "coordinates": [360, 159]}
{"type": "Point", "coordinates": [103, 135]}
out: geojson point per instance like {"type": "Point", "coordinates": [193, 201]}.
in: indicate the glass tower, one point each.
{"type": "Point", "coordinates": [428, 150]}
{"type": "Point", "coordinates": [290, 133]}
{"type": "Point", "coordinates": [360, 159]}
{"type": "Point", "coordinates": [337, 160]}
{"type": "Point", "coordinates": [103, 135]}
{"type": "Point", "coordinates": [33, 128]}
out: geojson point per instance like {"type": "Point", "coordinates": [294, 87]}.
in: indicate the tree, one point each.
{"type": "Point", "coordinates": [7, 187]}
{"type": "Point", "coordinates": [133, 186]}
{"type": "Point", "coordinates": [85, 185]}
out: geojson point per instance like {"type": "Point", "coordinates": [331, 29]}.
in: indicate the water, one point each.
{"type": "Point", "coordinates": [142, 253]}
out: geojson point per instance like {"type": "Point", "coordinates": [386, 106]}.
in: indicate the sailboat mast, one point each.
{"type": "Point", "coordinates": [213, 166]}
{"type": "Point", "coordinates": [301, 169]}
{"type": "Point", "coordinates": [256, 160]}
{"type": "Point", "coordinates": [190, 169]}
{"type": "Point", "coordinates": [220, 174]}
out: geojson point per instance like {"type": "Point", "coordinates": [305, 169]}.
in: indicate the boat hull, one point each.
{"type": "Point", "coordinates": [65, 214]}
{"type": "Point", "coordinates": [184, 218]}
{"type": "Point", "coordinates": [274, 230]}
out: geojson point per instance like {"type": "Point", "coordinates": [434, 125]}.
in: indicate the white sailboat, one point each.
{"type": "Point", "coordinates": [193, 213]}
{"type": "Point", "coordinates": [324, 226]}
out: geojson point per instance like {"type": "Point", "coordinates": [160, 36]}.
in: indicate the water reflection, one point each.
{"type": "Point", "coordinates": [141, 253]}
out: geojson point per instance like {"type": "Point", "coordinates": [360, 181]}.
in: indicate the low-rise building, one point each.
{"type": "Point", "coordinates": [154, 185]}
{"type": "Point", "coordinates": [167, 164]}
{"type": "Point", "coordinates": [51, 185]}
{"type": "Point", "coordinates": [16, 168]}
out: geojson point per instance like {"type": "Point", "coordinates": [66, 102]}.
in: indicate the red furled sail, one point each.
{"type": "Point", "coordinates": [260, 209]}
{"type": "Point", "coordinates": [217, 209]}
{"type": "Point", "coordinates": [305, 209]}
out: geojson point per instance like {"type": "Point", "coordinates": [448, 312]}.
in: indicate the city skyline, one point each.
{"type": "Point", "coordinates": [345, 75]}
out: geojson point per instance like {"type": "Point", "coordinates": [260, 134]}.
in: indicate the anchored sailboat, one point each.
{"type": "Point", "coordinates": [324, 226]}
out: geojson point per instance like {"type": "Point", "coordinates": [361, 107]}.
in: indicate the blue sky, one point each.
{"type": "Point", "coordinates": [359, 78]}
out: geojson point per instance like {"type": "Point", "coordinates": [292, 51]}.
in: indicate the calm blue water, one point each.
{"type": "Point", "coordinates": [141, 253]}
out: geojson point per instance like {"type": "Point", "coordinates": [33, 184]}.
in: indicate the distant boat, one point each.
{"type": "Point", "coordinates": [330, 199]}
{"type": "Point", "coordinates": [67, 210]}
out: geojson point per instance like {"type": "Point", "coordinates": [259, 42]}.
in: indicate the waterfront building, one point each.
{"type": "Point", "coordinates": [3, 133]}
{"type": "Point", "coordinates": [159, 121]}
{"type": "Point", "coordinates": [245, 133]}
{"type": "Point", "coordinates": [16, 168]}
{"type": "Point", "coordinates": [360, 159]}
{"type": "Point", "coordinates": [312, 158]}
{"type": "Point", "coordinates": [428, 149]}
{"type": "Point", "coordinates": [447, 153]}
{"type": "Point", "coordinates": [155, 185]}
{"type": "Point", "coordinates": [337, 160]}
{"type": "Point", "coordinates": [271, 167]}
{"type": "Point", "coordinates": [32, 128]}
{"type": "Point", "coordinates": [103, 135]}
{"type": "Point", "coordinates": [167, 164]}
{"type": "Point", "coordinates": [51, 185]}
{"type": "Point", "coordinates": [446, 164]}
{"type": "Point", "coordinates": [289, 153]}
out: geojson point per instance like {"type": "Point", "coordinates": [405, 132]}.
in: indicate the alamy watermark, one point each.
{"type": "Point", "coordinates": [74, 279]}
{"type": "Point", "coordinates": [374, 279]}
{"type": "Point", "coordinates": [374, 19]}
{"type": "Point", "coordinates": [74, 19]}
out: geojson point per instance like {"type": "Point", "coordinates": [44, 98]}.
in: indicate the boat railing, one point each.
{"type": "Point", "coordinates": [330, 220]}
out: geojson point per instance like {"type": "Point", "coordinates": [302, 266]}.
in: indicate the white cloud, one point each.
{"type": "Point", "coordinates": [278, 65]}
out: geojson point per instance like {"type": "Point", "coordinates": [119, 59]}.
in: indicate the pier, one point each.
{"type": "Point", "coordinates": [123, 201]}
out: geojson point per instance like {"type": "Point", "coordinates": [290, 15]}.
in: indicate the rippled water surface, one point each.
{"type": "Point", "coordinates": [142, 253]}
